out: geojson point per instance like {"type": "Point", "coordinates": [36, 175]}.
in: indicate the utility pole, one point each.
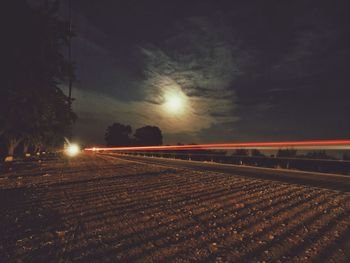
{"type": "Point", "coordinates": [70, 77]}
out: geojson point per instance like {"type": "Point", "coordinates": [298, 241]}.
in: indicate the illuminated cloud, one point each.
{"type": "Point", "coordinates": [244, 71]}
{"type": "Point", "coordinates": [140, 113]}
{"type": "Point", "coordinates": [200, 71]}
{"type": "Point", "coordinates": [203, 67]}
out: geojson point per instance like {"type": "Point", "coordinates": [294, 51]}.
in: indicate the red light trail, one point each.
{"type": "Point", "coordinates": [326, 144]}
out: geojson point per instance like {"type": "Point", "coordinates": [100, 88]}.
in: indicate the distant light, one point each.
{"type": "Point", "coordinates": [72, 150]}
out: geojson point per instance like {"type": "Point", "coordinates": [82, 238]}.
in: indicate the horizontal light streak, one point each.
{"type": "Point", "coordinates": [322, 144]}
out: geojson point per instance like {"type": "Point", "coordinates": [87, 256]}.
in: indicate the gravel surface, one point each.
{"type": "Point", "coordinates": [105, 209]}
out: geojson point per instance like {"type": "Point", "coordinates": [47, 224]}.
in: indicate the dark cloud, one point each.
{"type": "Point", "coordinates": [252, 70]}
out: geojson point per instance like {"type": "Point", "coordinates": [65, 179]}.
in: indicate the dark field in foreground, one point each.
{"type": "Point", "coordinates": [100, 208]}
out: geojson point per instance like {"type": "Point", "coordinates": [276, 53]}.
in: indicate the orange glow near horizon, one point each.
{"type": "Point", "coordinates": [329, 144]}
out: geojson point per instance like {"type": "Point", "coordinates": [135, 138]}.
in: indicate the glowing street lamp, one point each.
{"type": "Point", "coordinates": [72, 149]}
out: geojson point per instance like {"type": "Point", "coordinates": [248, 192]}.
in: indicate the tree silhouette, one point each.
{"type": "Point", "coordinates": [148, 135]}
{"type": "Point", "coordinates": [33, 108]}
{"type": "Point", "coordinates": [118, 134]}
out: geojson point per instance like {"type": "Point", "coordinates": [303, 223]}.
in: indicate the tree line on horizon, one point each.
{"type": "Point", "coordinates": [118, 134]}
{"type": "Point", "coordinates": [35, 114]}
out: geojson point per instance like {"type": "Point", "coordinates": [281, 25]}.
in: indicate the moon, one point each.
{"type": "Point", "coordinates": [175, 102]}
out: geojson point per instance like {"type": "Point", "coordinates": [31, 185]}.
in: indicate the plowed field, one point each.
{"type": "Point", "coordinates": [103, 209]}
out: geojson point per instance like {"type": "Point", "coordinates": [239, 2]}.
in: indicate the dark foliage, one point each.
{"type": "Point", "coordinates": [148, 135]}
{"type": "Point", "coordinates": [118, 135]}
{"type": "Point", "coordinates": [33, 109]}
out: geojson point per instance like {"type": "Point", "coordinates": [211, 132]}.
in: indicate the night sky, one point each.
{"type": "Point", "coordinates": [243, 70]}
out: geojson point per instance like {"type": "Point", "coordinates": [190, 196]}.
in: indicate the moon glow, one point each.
{"type": "Point", "coordinates": [175, 102]}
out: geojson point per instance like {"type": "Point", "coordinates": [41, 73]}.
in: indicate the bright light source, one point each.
{"type": "Point", "coordinates": [175, 102]}
{"type": "Point", "coordinates": [72, 149]}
